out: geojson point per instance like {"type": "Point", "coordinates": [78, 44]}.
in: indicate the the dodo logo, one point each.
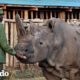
{"type": "Point", "coordinates": [4, 73]}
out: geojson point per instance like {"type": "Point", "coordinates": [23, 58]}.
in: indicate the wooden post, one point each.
{"type": "Point", "coordinates": [15, 40]}
{"type": "Point", "coordinates": [50, 14]}
{"type": "Point", "coordinates": [36, 14]}
{"type": "Point", "coordinates": [7, 55]}
{"type": "Point", "coordinates": [76, 15]}
{"type": "Point", "coordinates": [31, 14]}
{"type": "Point", "coordinates": [55, 14]}
{"type": "Point", "coordinates": [79, 15]}
{"type": "Point", "coordinates": [46, 15]}
{"type": "Point", "coordinates": [41, 15]}
{"type": "Point", "coordinates": [22, 14]}
{"type": "Point", "coordinates": [62, 15]}
{"type": "Point", "coordinates": [9, 14]}
{"type": "Point", "coordinates": [11, 43]}
{"type": "Point", "coordinates": [5, 14]}
{"type": "Point", "coordinates": [14, 37]}
{"type": "Point", "coordinates": [71, 15]}
{"type": "Point", "coordinates": [68, 15]}
{"type": "Point", "coordinates": [26, 14]}
{"type": "Point", "coordinates": [9, 27]}
{"type": "Point", "coordinates": [14, 14]}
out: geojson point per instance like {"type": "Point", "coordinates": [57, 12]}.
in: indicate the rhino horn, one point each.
{"type": "Point", "coordinates": [32, 27]}
{"type": "Point", "coordinates": [20, 27]}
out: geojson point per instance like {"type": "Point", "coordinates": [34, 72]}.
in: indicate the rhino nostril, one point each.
{"type": "Point", "coordinates": [41, 43]}
{"type": "Point", "coordinates": [30, 50]}
{"type": "Point", "coordinates": [26, 50]}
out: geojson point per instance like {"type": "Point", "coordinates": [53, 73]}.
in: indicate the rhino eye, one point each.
{"type": "Point", "coordinates": [26, 50]}
{"type": "Point", "coordinates": [41, 43]}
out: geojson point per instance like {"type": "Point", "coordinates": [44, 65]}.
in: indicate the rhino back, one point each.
{"type": "Point", "coordinates": [70, 52]}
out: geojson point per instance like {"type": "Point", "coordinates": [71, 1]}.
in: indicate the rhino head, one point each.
{"type": "Point", "coordinates": [38, 44]}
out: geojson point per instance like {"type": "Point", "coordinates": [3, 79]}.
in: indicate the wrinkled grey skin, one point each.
{"type": "Point", "coordinates": [55, 44]}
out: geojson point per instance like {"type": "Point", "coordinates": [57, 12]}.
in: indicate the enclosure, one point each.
{"type": "Point", "coordinates": [37, 14]}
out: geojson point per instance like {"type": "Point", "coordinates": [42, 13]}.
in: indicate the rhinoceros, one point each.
{"type": "Point", "coordinates": [55, 45]}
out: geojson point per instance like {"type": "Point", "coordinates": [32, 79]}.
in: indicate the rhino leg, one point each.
{"type": "Point", "coordinates": [73, 72]}
{"type": "Point", "coordinates": [50, 76]}
{"type": "Point", "coordinates": [77, 76]}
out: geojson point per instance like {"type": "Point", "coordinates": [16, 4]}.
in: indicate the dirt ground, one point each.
{"type": "Point", "coordinates": [39, 78]}
{"type": "Point", "coordinates": [31, 73]}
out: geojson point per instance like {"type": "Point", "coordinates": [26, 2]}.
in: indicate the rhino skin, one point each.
{"type": "Point", "coordinates": [55, 46]}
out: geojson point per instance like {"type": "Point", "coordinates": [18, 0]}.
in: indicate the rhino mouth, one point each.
{"type": "Point", "coordinates": [26, 57]}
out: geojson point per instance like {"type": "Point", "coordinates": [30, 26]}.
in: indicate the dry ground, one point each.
{"type": "Point", "coordinates": [31, 73]}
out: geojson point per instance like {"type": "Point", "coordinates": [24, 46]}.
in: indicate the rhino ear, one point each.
{"type": "Point", "coordinates": [51, 24]}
